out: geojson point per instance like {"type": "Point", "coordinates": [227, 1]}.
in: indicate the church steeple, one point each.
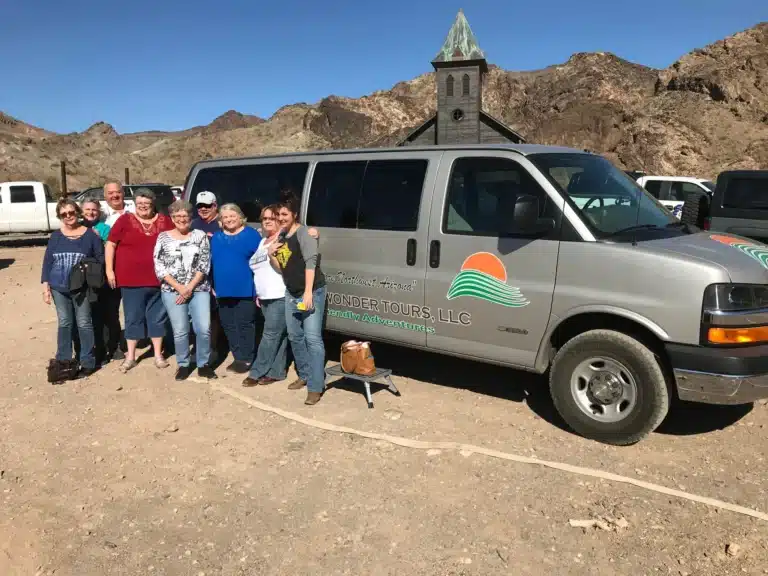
{"type": "Point", "coordinates": [460, 46]}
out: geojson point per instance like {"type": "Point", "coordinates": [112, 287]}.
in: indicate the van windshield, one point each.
{"type": "Point", "coordinates": [609, 201]}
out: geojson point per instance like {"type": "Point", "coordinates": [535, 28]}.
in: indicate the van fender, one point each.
{"type": "Point", "coordinates": [545, 348]}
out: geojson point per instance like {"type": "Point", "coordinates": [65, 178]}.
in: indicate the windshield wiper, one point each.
{"type": "Point", "coordinates": [633, 228]}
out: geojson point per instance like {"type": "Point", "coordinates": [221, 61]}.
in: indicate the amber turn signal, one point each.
{"type": "Point", "coordinates": [738, 335]}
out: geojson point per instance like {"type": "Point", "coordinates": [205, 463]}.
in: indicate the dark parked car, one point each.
{"type": "Point", "coordinates": [739, 205]}
{"type": "Point", "coordinates": [165, 196]}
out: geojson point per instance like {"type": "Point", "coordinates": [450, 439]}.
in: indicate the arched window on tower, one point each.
{"type": "Point", "coordinates": [465, 85]}
{"type": "Point", "coordinates": [449, 85]}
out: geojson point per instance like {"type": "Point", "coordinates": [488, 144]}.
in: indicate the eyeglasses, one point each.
{"type": "Point", "coordinates": [67, 214]}
{"type": "Point", "coordinates": [268, 218]}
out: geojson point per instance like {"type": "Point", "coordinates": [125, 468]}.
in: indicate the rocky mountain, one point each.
{"type": "Point", "coordinates": [705, 113]}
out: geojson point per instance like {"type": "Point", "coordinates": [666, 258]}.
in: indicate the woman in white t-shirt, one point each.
{"type": "Point", "coordinates": [271, 364]}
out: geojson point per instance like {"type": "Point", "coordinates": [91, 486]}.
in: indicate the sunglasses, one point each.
{"type": "Point", "coordinates": [67, 214]}
{"type": "Point", "coordinates": [199, 206]}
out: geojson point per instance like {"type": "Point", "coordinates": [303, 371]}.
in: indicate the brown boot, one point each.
{"type": "Point", "coordinates": [313, 398]}
{"type": "Point", "coordinates": [297, 384]}
{"type": "Point", "coordinates": [249, 382]}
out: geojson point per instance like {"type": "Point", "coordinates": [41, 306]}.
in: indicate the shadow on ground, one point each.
{"type": "Point", "coordinates": [22, 241]}
{"type": "Point", "coordinates": [6, 262]}
{"type": "Point", "coordinates": [684, 419]}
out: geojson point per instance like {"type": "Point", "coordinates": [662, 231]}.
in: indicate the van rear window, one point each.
{"type": "Point", "coordinates": [746, 193]}
{"type": "Point", "coordinates": [251, 186]}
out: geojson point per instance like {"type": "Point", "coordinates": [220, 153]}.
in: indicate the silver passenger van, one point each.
{"type": "Point", "coordinates": [540, 258]}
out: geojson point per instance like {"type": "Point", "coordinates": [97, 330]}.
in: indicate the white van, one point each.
{"type": "Point", "coordinates": [540, 258]}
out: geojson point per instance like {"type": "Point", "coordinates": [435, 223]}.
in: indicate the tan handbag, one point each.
{"type": "Point", "coordinates": [349, 354]}
{"type": "Point", "coordinates": [365, 364]}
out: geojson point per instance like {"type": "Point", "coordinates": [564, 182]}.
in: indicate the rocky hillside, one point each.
{"type": "Point", "coordinates": [705, 113]}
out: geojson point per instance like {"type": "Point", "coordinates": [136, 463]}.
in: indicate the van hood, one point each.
{"type": "Point", "coordinates": [745, 260]}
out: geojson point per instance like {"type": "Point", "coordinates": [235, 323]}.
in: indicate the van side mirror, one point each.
{"type": "Point", "coordinates": [525, 218]}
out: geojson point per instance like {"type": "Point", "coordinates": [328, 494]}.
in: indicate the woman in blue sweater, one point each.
{"type": "Point", "coordinates": [231, 251]}
{"type": "Point", "coordinates": [66, 248]}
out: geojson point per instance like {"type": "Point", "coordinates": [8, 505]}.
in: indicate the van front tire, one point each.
{"type": "Point", "coordinates": [609, 387]}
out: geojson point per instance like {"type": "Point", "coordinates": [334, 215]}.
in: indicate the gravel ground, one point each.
{"type": "Point", "coordinates": [138, 474]}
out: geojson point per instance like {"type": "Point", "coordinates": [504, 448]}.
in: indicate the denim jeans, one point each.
{"type": "Point", "coordinates": [271, 358]}
{"type": "Point", "coordinates": [305, 332]}
{"type": "Point", "coordinates": [70, 312]}
{"type": "Point", "coordinates": [145, 316]}
{"type": "Point", "coordinates": [238, 319]}
{"type": "Point", "coordinates": [199, 308]}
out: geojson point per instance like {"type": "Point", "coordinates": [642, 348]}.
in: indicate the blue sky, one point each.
{"type": "Point", "coordinates": [171, 65]}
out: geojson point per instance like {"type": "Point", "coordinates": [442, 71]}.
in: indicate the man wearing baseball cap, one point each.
{"type": "Point", "coordinates": [207, 212]}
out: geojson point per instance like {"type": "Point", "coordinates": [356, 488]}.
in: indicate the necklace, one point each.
{"type": "Point", "coordinates": [147, 227]}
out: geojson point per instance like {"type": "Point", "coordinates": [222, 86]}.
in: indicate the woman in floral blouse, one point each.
{"type": "Point", "coordinates": [182, 263]}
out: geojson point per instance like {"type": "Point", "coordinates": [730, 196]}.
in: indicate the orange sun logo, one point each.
{"type": "Point", "coordinates": [487, 263]}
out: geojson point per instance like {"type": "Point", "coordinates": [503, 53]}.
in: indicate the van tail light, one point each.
{"type": "Point", "coordinates": [707, 223]}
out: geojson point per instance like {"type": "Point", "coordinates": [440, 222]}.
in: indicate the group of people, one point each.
{"type": "Point", "coordinates": [208, 269]}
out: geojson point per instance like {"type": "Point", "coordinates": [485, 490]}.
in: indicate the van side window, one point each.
{"type": "Point", "coordinates": [335, 194]}
{"type": "Point", "coordinates": [252, 186]}
{"type": "Point", "coordinates": [391, 195]}
{"type": "Point", "coordinates": [369, 195]}
{"type": "Point", "coordinates": [22, 194]}
{"type": "Point", "coordinates": [678, 190]}
{"type": "Point", "coordinates": [482, 194]}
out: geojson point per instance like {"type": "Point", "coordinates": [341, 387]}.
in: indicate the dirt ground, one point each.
{"type": "Point", "coordinates": [138, 474]}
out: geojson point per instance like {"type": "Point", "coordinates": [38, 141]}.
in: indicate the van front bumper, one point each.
{"type": "Point", "coordinates": [720, 375]}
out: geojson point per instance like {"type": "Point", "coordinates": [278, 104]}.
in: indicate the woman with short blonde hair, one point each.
{"type": "Point", "coordinates": [231, 251]}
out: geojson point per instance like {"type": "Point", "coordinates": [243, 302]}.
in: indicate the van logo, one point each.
{"type": "Point", "coordinates": [757, 252]}
{"type": "Point", "coordinates": [484, 276]}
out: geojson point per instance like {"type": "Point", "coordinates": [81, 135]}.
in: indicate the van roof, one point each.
{"type": "Point", "coordinates": [524, 149]}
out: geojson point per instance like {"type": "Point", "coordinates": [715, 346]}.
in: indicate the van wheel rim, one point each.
{"type": "Point", "coordinates": [604, 389]}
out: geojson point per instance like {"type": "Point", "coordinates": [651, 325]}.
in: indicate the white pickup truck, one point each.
{"type": "Point", "coordinates": [672, 190]}
{"type": "Point", "coordinates": [27, 207]}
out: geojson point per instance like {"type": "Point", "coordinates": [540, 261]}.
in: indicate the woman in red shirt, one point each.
{"type": "Point", "coordinates": [131, 267]}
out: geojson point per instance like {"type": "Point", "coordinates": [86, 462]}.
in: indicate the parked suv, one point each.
{"type": "Point", "coordinates": [165, 196]}
{"type": "Point", "coordinates": [739, 205]}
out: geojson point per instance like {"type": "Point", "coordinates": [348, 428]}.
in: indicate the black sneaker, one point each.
{"type": "Point", "coordinates": [240, 367]}
{"type": "Point", "coordinates": [232, 366]}
{"type": "Point", "coordinates": [206, 372]}
{"type": "Point", "coordinates": [182, 373]}
{"type": "Point", "coordinates": [85, 372]}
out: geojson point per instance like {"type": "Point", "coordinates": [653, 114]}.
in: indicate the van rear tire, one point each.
{"type": "Point", "coordinates": [609, 387]}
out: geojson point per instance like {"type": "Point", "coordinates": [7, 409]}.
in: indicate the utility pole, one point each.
{"type": "Point", "coordinates": [63, 178]}
{"type": "Point", "coordinates": [127, 176]}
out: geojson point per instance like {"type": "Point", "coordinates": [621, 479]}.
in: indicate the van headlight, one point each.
{"type": "Point", "coordinates": [735, 314]}
{"type": "Point", "coordinates": [735, 297]}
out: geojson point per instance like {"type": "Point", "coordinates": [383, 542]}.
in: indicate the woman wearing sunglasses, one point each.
{"type": "Point", "coordinates": [66, 248]}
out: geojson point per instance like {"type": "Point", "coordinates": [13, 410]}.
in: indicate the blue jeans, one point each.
{"type": "Point", "coordinates": [271, 358]}
{"type": "Point", "coordinates": [238, 319]}
{"type": "Point", "coordinates": [305, 331]}
{"type": "Point", "coordinates": [71, 312]}
{"type": "Point", "coordinates": [145, 315]}
{"type": "Point", "coordinates": [199, 308]}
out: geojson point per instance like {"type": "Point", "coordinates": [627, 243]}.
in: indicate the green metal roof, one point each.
{"type": "Point", "coordinates": [460, 44]}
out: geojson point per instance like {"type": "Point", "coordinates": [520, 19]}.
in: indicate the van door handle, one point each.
{"type": "Point", "coordinates": [410, 252]}
{"type": "Point", "coordinates": [434, 253]}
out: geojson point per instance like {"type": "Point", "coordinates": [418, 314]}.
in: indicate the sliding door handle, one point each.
{"type": "Point", "coordinates": [434, 253]}
{"type": "Point", "coordinates": [410, 252]}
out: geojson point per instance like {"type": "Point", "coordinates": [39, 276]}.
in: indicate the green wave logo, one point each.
{"type": "Point", "coordinates": [475, 284]}
{"type": "Point", "coordinates": [757, 252]}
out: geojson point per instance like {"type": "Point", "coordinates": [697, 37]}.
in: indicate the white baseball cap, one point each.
{"type": "Point", "coordinates": [206, 197]}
